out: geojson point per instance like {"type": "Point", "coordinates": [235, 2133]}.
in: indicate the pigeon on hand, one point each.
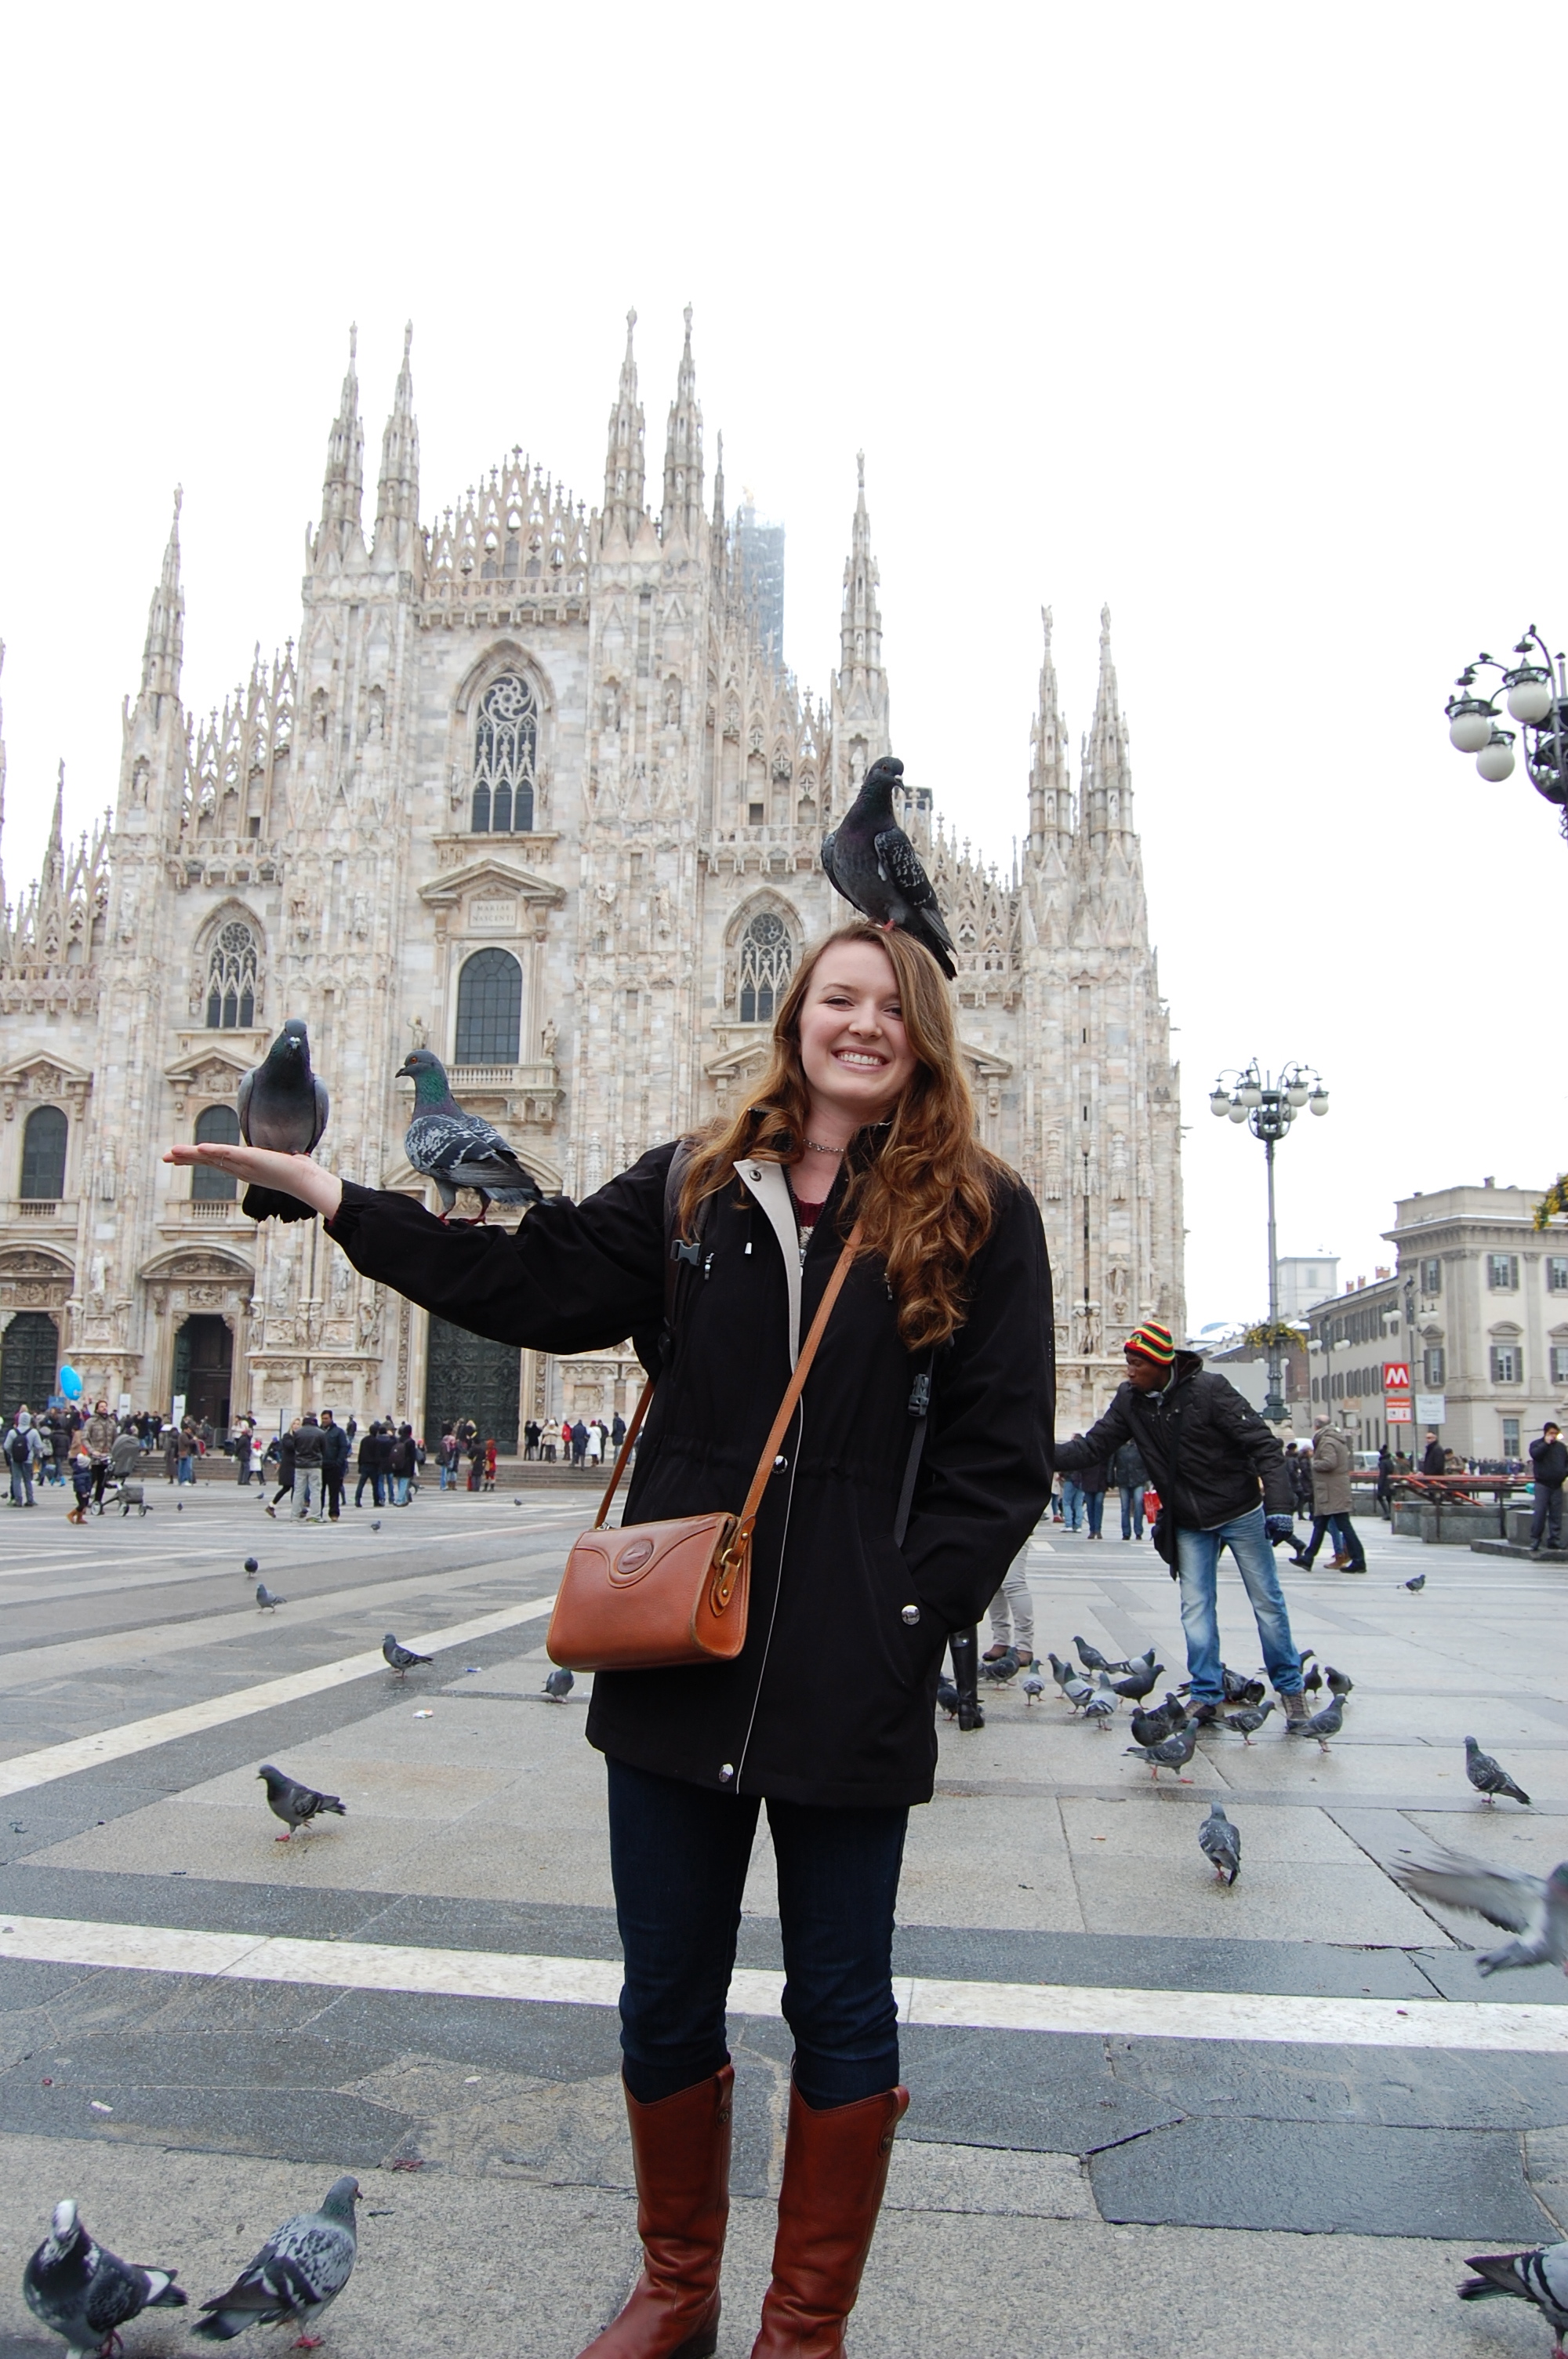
{"type": "Point", "coordinates": [401, 1659]}
{"type": "Point", "coordinates": [1418, 1584]}
{"type": "Point", "coordinates": [294, 1804]}
{"type": "Point", "coordinates": [1322, 1724]}
{"type": "Point", "coordinates": [1221, 1843]}
{"type": "Point", "coordinates": [1101, 1705]}
{"type": "Point", "coordinates": [1246, 1722]}
{"type": "Point", "coordinates": [558, 1685]}
{"type": "Point", "coordinates": [1489, 1776]}
{"type": "Point", "coordinates": [1152, 1727]}
{"type": "Point", "coordinates": [1541, 2276]}
{"type": "Point", "coordinates": [457, 1149]}
{"type": "Point", "coordinates": [265, 1599]}
{"type": "Point", "coordinates": [85, 2294]}
{"type": "Point", "coordinates": [282, 1104]}
{"type": "Point", "coordinates": [1139, 1682]}
{"type": "Point", "coordinates": [1533, 1907]}
{"type": "Point", "coordinates": [1034, 1686]}
{"type": "Point", "coordinates": [1090, 1657]}
{"type": "Point", "coordinates": [1339, 1683]}
{"type": "Point", "coordinates": [871, 860]}
{"type": "Point", "coordinates": [302, 2267]}
{"type": "Point", "coordinates": [1175, 1752]}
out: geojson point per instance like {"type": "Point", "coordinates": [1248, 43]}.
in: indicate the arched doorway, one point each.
{"type": "Point", "coordinates": [203, 1362]}
{"type": "Point", "coordinates": [468, 1375]}
{"type": "Point", "coordinates": [29, 1361]}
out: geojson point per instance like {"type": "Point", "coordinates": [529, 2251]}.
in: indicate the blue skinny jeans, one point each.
{"type": "Point", "coordinates": [679, 1857]}
{"type": "Point", "coordinates": [1198, 1556]}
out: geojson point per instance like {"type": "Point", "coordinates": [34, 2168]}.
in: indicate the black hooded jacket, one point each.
{"type": "Point", "coordinates": [1222, 1449]}
{"type": "Point", "coordinates": [831, 1700]}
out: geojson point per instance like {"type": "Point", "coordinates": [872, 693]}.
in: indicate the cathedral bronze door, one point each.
{"type": "Point", "coordinates": [203, 1361]}
{"type": "Point", "coordinates": [29, 1358]}
{"type": "Point", "coordinates": [468, 1375]}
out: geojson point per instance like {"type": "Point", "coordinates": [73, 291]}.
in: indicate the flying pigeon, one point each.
{"type": "Point", "coordinates": [302, 2267]}
{"type": "Point", "coordinates": [282, 1104]}
{"type": "Point", "coordinates": [84, 2294]}
{"type": "Point", "coordinates": [558, 1685]}
{"type": "Point", "coordinates": [1034, 1686]}
{"type": "Point", "coordinates": [1534, 1907]}
{"type": "Point", "coordinates": [1541, 2276]}
{"type": "Point", "coordinates": [1173, 1754]}
{"type": "Point", "coordinates": [1101, 1705]}
{"type": "Point", "coordinates": [1339, 1683]}
{"type": "Point", "coordinates": [871, 860]}
{"type": "Point", "coordinates": [294, 1804]}
{"type": "Point", "coordinates": [251, 1564]}
{"type": "Point", "coordinates": [457, 1149]}
{"type": "Point", "coordinates": [1090, 1657]}
{"type": "Point", "coordinates": [1221, 1843]}
{"type": "Point", "coordinates": [1418, 1584]}
{"type": "Point", "coordinates": [401, 1659]}
{"type": "Point", "coordinates": [1489, 1776]}
{"type": "Point", "coordinates": [1151, 1728]}
{"type": "Point", "coordinates": [1247, 1722]}
{"type": "Point", "coordinates": [268, 1602]}
{"type": "Point", "coordinates": [1322, 1724]}
{"type": "Point", "coordinates": [1139, 1682]}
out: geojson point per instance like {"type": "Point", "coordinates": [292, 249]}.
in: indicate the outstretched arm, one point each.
{"type": "Point", "coordinates": [265, 1167]}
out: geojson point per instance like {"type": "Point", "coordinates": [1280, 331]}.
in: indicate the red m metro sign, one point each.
{"type": "Point", "coordinates": [1396, 1377]}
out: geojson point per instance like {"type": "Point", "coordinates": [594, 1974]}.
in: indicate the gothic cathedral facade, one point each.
{"type": "Point", "coordinates": [532, 788]}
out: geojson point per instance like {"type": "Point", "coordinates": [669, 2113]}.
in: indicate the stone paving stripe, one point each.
{"type": "Point", "coordinates": [955, 2006]}
{"type": "Point", "coordinates": [29, 1770]}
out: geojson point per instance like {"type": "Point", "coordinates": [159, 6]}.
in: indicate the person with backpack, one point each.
{"type": "Point", "coordinates": [852, 1165]}
{"type": "Point", "coordinates": [1131, 1477]}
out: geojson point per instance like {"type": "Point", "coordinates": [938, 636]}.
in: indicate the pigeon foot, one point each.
{"type": "Point", "coordinates": [280, 1838]}
{"type": "Point", "coordinates": [307, 2342]}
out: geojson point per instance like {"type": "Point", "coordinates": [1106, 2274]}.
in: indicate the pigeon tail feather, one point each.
{"type": "Point", "coordinates": [271, 1204]}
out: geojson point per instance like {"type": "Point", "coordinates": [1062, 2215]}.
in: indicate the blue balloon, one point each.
{"type": "Point", "coordinates": [69, 1381]}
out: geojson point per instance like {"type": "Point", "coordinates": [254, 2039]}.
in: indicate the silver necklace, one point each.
{"type": "Point", "coordinates": [817, 1148]}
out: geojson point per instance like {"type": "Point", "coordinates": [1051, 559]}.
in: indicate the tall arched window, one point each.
{"type": "Point", "coordinates": [767, 956]}
{"type": "Point", "coordinates": [216, 1126]}
{"type": "Point", "coordinates": [489, 1009]}
{"type": "Point", "coordinates": [232, 978]}
{"type": "Point", "coordinates": [43, 1153]}
{"type": "Point", "coordinates": [505, 745]}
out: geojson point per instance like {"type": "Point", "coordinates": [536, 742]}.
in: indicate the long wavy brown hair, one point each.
{"type": "Point", "coordinates": [922, 1187]}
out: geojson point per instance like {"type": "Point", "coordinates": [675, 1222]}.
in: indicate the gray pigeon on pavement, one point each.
{"type": "Point", "coordinates": [1489, 1776]}
{"type": "Point", "coordinates": [1153, 1728]}
{"type": "Point", "coordinates": [401, 1659]}
{"type": "Point", "coordinates": [1418, 1584]}
{"type": "Point", "coordinates": [85, 2294]}
{"type": "Point", "coordinates": [1221, 1843]}
{"type": "Point", "coordinates": [1247, 1722]}
{"type": "Point", "coordinates": [294, 1804]}
{"type": "Point", "coordinates": [871, 860]}
{"type": "Point", "coordinates": [1541, 2276]}
{"type": "Point", "coordinates": [267, 1600]}
{"type": "Point", "coordinates": [282, 1104]}
{"type": "Point", "coordinates": [1090, 1657]}
{"type": "Point", "coordinates": [1173, 1754]}
{"type": "Point", "coordinates": [1139, 1682]}
{"type": "Point", "coordinates": [1322, 1724]}
{"type": "Point", "coordinates": [457, 1149]}
{"type": "Point", "coordinates": [1101, 1705]}
{"type": "Point", "coordinates": [1533, 1907]}
{"type": "Point", "coordinates": [1034, 1686]}
{"type": "Point", "coordinates": [302, 2267]}
{"type": "Point", "coordinates": [558, 1685]}
{"type": "Point", "coordinates": [1339, 1683]}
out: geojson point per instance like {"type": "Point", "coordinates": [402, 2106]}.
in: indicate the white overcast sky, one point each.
{"type": "Point", "coordinates": [1240, 319]}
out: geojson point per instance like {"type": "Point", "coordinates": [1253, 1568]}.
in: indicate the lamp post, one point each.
{"type": "Point", "coordinates": [1267, 1106]}
{"type": "Point", "coordinates": [1536, 700]}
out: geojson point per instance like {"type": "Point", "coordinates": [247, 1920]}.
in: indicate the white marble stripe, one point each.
{"type": "Point", "coordinates": [971, 2005]}
{"type": "Point", "coordinates": [27, 1770]}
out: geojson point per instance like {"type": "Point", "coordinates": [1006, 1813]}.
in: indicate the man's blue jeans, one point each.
{"type": "Point", "coordinates": [1198, 1558]}
{"type": "Point", "coordinates": [1131, 1510]}
{"type": "Point", "coordinates": [1094, 1508]}
{"type": "Point", "coordinates": [1072, 1503]}
{"type": "Point", "coordinates": [679, 1857]}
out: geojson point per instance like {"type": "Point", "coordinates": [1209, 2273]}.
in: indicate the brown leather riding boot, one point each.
{"type": "Point", "coordinates": [835, 2168]}
{"type": "Point", "coordinates": [681, 2149]}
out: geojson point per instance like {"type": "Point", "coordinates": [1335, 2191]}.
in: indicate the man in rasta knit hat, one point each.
{"type": "Point", "coordinates": [1222, 1481]}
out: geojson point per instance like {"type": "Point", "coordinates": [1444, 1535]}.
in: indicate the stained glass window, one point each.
{"type": "Point", "coordinates": [489, 1009]}
{"type": "Point", "coordinates": [504, 749]}
{"type": "Point", "coordinates": [767, 955]}
{"type": "Point", "coordinates": [231, 978]}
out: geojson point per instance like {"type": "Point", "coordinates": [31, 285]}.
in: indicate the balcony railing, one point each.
{"type": "Point", "coordinates": [41, 1208]}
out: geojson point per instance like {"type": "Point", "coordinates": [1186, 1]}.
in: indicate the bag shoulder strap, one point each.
{"type": "Point", "coordinates": [787, 1407]}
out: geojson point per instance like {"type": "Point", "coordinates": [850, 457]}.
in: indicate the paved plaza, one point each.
{"type": "Point", "coordinates": [1147, 2112]}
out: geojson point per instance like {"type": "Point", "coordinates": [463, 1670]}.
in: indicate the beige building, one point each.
{"type": "Point", "coordinates": [532, 787]}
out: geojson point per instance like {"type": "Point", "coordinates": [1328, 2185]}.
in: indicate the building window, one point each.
{"type": "Point", "coordinates": [1432, 1276]}
{"type": "Point", "coordinates": [1507, 1365]}
{"type": "Point", "coordinates": [1502, 1273]}
{"type": "Point", "coordinates": [489, 1009]}
{"type": "Point", "coordinates": [215, 1127]}
{"type": "Point", "coordinates": [1510, 1437]}
{"type": "Point", "coordinates": [506, 748]}
{"type": "Point", "coordinates": [231, 978]}
{"type": "Point", "coordinates": [1434, 1367]}
{"type": "Point", "coordinates": [767, 955]}
{"type": "Point", "coordinates": [1559, 1363]}
{"type": "Point", "coordinates": [43, 1154]}
{"type": "Point", "coordinates": [1557, 1274]}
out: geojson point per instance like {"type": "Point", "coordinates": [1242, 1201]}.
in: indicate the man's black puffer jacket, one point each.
{"type": "Point", "coordinates": [1222, 1449]}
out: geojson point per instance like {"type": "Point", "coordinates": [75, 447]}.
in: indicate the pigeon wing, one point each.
{"type": "Point", "coordinates": [118, 2292]}
{"type": "Point", "coordinates": [900, 864]}
{"type": "Point", "coordinates": [825, 856]}
{"type": "Point", "coordinates": [1509, 1898]}
{"type": "Point", "coordinates": [323, 1107]}
{"type": "Point", "coordinates": [319, 2251]}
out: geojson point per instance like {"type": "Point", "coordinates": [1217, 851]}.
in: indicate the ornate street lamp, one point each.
{"type": "Point", "coordinates": [1268, 1105]}
{"type": "Point", "coordinates": [1537, 699]}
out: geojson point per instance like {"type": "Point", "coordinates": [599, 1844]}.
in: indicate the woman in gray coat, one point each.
{"type": "Point", "coordinates": [1332, 1459]}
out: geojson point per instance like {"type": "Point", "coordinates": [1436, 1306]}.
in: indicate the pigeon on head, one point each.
{"type": "Point", "coordinates": [85, 2294]}
{"type": "Point", "coordinates": [871, 860]}
{"type": "Point", "coordinates": [457, 1149]}
{"type": "Point", "coordinates": [281, 1104]}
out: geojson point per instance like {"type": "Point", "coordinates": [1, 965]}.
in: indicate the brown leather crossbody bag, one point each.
{"type": "Point", "coordinates": [653, 1597]}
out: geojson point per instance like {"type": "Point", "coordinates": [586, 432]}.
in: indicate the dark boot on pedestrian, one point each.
{"type": "Point", "coordinates": [680, 2148]}
{"type": "Point", "coordinates": [965, 1649]}
{"type": "Point", "coordinates": [835, 2174]}
{"type": "Point", "coordinates": [1295, 1708]}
